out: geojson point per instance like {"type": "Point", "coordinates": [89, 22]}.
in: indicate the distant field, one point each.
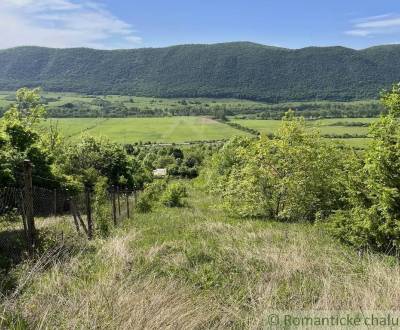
{"type": "Point", "coordinates": [55, 100]}
{"type": "Point", "coordinates": [161, 127]}
{"type": "Point", "coordinates": [326, 126]}
{"type": "Point", "coordinates": [70, 105]}
{"type": "Point", "coordinates": [130, 130]}
{"type": "Point", "coordinates": [183, 129]}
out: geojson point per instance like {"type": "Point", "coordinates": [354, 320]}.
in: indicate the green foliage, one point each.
{"type": "Point", "coordinates": [241, 69]}
{"type": "Point", "coordinates": [295, 176]}
{"type": "Point", "coordinates": [101, 207]}
{"type": "Point", "coordinates": [391, 100]}
{"type": "Point", "coordinates": [97, 156]}
{"type": "Point", "coordinates": [182, 162]}
{"type": "Point", "coordinates": [150, 195]}
{"type": "Point", "coordinates": [170, 195]}
{"type": "Point", "coordinates": [174, 195]}
{"type": "Point", "coordinates": [20, 139]}
{"type": "Point", "coordinates": [373, 218]}
{"type": "Point", "coordinates": [144, 204]}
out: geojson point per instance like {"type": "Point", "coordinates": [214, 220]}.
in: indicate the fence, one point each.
{"type": "Point", "coordinates": [26, 212]}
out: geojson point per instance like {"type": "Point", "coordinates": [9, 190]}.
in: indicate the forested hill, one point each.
{"type": "Point", "coordinates": [242, 70]}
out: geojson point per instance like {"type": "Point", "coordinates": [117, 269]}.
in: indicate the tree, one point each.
{"type": "Point", "coordinates": [94, 157]}
{"type": "Point", "coordinates": [20, 139]}
{"type": "Point", "coordinates": [295, 176]}
{"type": "Point", "coordinates": [374, 217]}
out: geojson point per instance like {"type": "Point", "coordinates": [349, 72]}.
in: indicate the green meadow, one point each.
{"type": "Point", "coordinates": [332, 126]}
{"type": "Point", "coordinates": [130, 130]}
{"type": "Point", "coordinates": [160, 126]}
{"type": "Point", "coordinates": [190, 128]}
{"type": "Point", "coordinates": [326, 126]}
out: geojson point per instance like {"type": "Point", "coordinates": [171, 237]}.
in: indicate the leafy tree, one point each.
{"type": "Point", "coordinates": [295, 176]}
{"type": "Point", "coordinates": [97, 156]}
{"type": "Point", "coordinates": [20, 139]}
{"type": "Point", "coordinates": [374, 217]}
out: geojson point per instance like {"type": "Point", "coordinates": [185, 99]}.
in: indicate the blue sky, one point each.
{"type": "Point", "coordinates": [109, 24]}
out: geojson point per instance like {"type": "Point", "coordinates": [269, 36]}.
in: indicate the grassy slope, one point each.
{"type": "Point", "coordinates": [196, 268]}
{"type": "Point", "coordinates": [166, 129]}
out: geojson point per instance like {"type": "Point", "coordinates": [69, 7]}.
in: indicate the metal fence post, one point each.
{"type": "Point", "coordinates": [28, 200]}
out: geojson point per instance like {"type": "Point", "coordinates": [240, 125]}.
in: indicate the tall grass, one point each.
{"type": "Point", "coordinates": [193, 267]}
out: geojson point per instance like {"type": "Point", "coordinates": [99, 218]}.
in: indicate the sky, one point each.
{"type": "Point", "coordinates": [111, 24]}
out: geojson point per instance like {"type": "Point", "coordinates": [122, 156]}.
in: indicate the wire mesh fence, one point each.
{"type": "Point", "coordinates": [27, 216]}
{"type": "Point", "coordinates": [122, 202]}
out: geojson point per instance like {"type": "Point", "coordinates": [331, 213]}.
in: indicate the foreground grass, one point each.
{"type": "Point", "coordinates": [194, 267]}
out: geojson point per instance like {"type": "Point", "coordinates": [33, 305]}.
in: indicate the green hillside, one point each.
{"type": "Point", "coordinates": [239, 70]}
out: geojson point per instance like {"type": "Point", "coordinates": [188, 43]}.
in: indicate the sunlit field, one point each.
{"type": "Point", "coordinates": [332, 126]}
{"type": "Point", "coordinates": [130, 130]}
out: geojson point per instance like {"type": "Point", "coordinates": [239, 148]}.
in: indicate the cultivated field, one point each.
{"type": "Point", "coordinates": [161, 127]}
{"type": "Point", "coordinates": [130, 130]}
{"type": "Point", "coordinates": [333, 126]}
{"type": "Point", "coordinates": [190, 128]}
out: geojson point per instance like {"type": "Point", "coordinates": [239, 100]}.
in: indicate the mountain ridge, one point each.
{"type": "Point", "coordinates": [236, 69]}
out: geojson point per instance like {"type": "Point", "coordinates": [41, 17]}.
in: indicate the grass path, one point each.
{"type": "Point", "coordinates": [194, 267]}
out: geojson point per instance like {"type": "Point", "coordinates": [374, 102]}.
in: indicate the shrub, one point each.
{"type": "Point", "coordinates": [294, 176]}
{"type": "Point", "coordinates": [101, 207]}
{"type": "Point", "coordinates": [373, 216]}
{"type": "Point", "coordinates": [151, 194]}
{"type": "Point", "coordinates": [174, 195]}
{"type": "Point", "coordinates": [144, 203]}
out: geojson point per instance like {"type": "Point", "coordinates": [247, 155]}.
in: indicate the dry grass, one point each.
{"type": "Point", "coordinates": [193, 268]}
{"type": "Point", "coordinates": [98, 292]}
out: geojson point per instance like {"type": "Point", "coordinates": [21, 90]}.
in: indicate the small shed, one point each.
{"type": "Point", "coordinates": [160, 172]}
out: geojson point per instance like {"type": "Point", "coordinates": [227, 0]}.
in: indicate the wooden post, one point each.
{"type": "Point", "coordinates": [127, 204]}
{"type": "Point", "coordinates": [119, 202]}
{"type": "Point", "coordinates": [55, 201]}
{"type": "Point", "coordinates": [89, 212]}
{"type": "Point", "coordinates": [114, 208]}
{"type": "Point", "coordinates": [28, 200]}
{"type": "Point", "coordinates": [71, 207]}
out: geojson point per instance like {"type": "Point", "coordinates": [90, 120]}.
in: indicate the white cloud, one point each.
{"type": "Point", "coordinates": [63, 23]}
{"type": "Point", "coordinates": [375, 25]}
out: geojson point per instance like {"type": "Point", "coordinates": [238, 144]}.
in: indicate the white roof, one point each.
{"type": "Point", "coordinates": [160, 172]}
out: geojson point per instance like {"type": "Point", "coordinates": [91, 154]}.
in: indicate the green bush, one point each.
{"type": "Point", "coordinates": [101, 207]}
{"type": "Point", "coordinates": [144, 203]}
{"type": "Point", "coordinates": [174, 195]}
{"type": "Point", "coordinates": [150, 195]}
{"type": "Point", "coordinates": [374, 189]}
{"type": "Point", "coordinates": [292, 177]}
